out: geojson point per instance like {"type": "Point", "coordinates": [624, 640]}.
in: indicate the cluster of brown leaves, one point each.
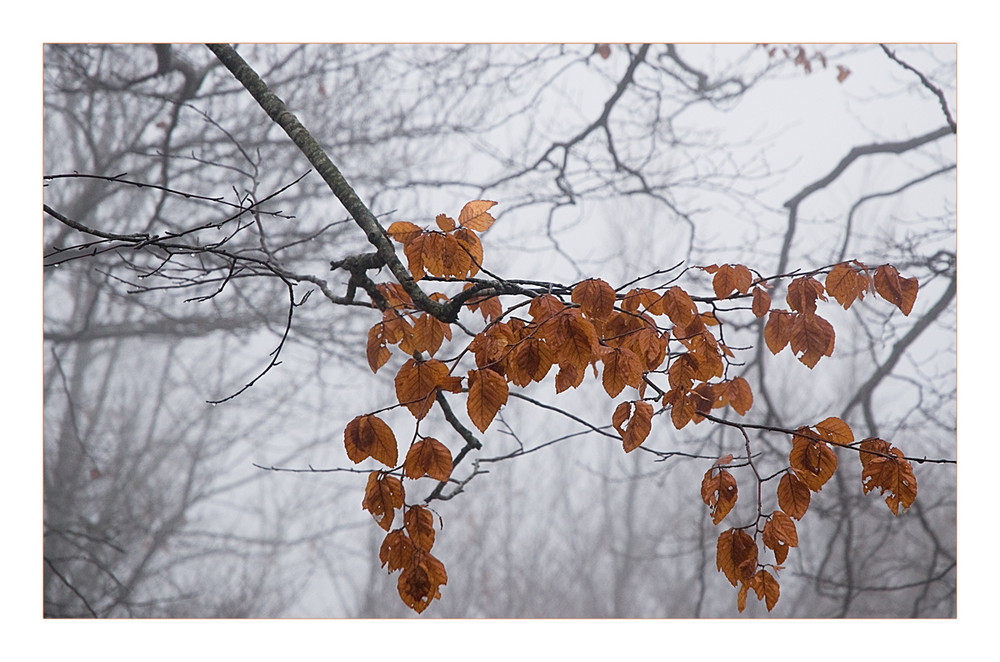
{"type": "Point", "coordinates": [810, 336]}
{"type": "Point", "coordinates": [800, 58]}
{"type": "Point", "coordinates": [811, 464]}
{"type": "Point", "coordinates": [627, 339]}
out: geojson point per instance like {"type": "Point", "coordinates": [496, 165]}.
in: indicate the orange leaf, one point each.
{"type": "Point", "coordinates": [683, 371]}
{"type": "Point", "coordinates": [428, 334]}
{"type": "Point", "coordinates": [545, 307]}
{"type": "Point", "coordinates": [813, 461]}
{"type": "Point", "coordinates": [475, 217]}
{"type": "Point", "coordinates": [595, 297]}
{"type": "Point", "coordinates": [802, 294]}
{"type": "Point", "coordinates": [368, 436]}
{"type": "Point", "coordinates": [488, 392]}
{"type": "Point", "coordinates": [736, 555]}
{"type": "Point", "coordinates": [396, 551]}
{"type": "Point", "coordinates": [638, 427]}
{"type": "Point", "coordinates": [383, 494]}
{"type": "Point", "coordinates": [892, 474]}
{"type": "Point", "coordinates": [739, 395]}
{"type": "Point", "coordinates": [419, 523]}
{"type": "Point", "coordinates": [731, 278]}
{"type": "Point", "coordinates": [778, 330]}
{"type": "Point", "coordinates": [572, 338]}
{"type": "Point", "coordinates": [678, 306]}
{"type": "Point", "coordinates": [569, 376]}
{"type": "Point", "coordinates": [899, 291]}
{"type": "Point", "coordinates": [621, 368]}
{"type": "Point", "coordinates": [812, 338]}
{"type": "Point", "coordinates": [417, 385]}
{"type": "Point", "coordinates": [846, 284]}
{"type": "Point", "coordinates": [376, 351]}
{"type": "Point", "coordinates": [793, 495]}
{"type": "Point", "coordinates": [835, 430]}
{"type": "Point", "coordinates": [719, 492]}
{"type": "Point", "coordinates": [445, 222]}
{"type": "Point", "coordinates": [770, 588]}
{"type": "Point", "coordinates": [428, 457]}
{"type": "Point", "coordinates": [682, 409]}
{"type": "Point", "coordinates": [761, 302]}
{"type": "Point", "coordinates": [469, 242]}
{"type": "Point", "coordinates": [530, 361]}
{"type": "Point", "coordinates": [779, 530]}
{"type": "Point", "coordinates": [404, 232]}
{"type": "Point", "coordinates": [489, 306]}
{"type": "Point", "coordinates": [420, 581]}
{"type": "Point", "coordinates": [622, 412]}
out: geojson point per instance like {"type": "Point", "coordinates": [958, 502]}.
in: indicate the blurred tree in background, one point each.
{"type": "Point", "coordinates": [188, 253]}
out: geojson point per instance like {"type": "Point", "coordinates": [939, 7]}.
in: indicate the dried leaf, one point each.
{"type": "Point", "coordinates": [719, 492]}
{"type": "Point", "coordinates": [813, 461]}
{"type": "Point", "coordinates": [419, 524]}
{"type": "Point", "coordinates": [793, 495]}
{"type": "Point", "coordinates": [475, 215]}
{"type": "Point", "coordinates": [488, 392]}
{"type": "Point", "coordinates": [368, 436]}
{"type": "Point", "coordinates": [761, 302]}
{"type": "Point", "coordinates": [383, 494]}
{"type": "Point", "coordinates": [595, 297]}
{"type": "Point", "coordinates": [428, 457]}
{"type": "Point", "coordinates": [417, 384]}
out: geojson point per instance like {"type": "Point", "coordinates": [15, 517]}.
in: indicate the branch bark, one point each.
{"type": "Point", "coordinates": [280, 115]}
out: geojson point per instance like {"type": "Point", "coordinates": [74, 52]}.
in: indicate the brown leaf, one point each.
{"type": "Point", "coordinates": [719, 492]}
{"type": "Point", "coordinates": [621, 368]}
{"type": "Point", "coordinates": [835, 430]}
{"type": "Point", "coordinates": [417, 385]}
{"type": "Point", "coordinates": [770, 589]}
{"type": "Point", "coordinates": [899, 291]}
{"type": "Point", "coordinates": [731, 278]}
{"type": "Point", "coordinates": [638, 427]}
{"type": "Point", "coordinates": [778, 330]}
{"type": "Point", "coordinates": [404, 232]}
{"type": "Point", "coordinates": [813, 461]}
{"type": "Point", "coordinates": [761, 302]}
{"type": "Point", "coordinates": [383, 494]}
{"type": "Point", "coordinates": [739, 395]}
{"type": "Point", "coordinates": [368, 436]}
{"type": "Point", "coordinates": [846, 284]}
{"type": "Point", "coordinates": [678, 306]}
{"type": "Point", "coordinates": [376, 350]}
{"type": "Point", "coordinates": [802, 294]}
{"type": "Point", "coordinates": [419, 523]}
{"type": "Point", "coordinates": [420, 581]}
{"type": "Point", "coordinates": [488, 392]}
{"type": "Point", "coordinates": [812, 338]}
{"type": "Point", "coordinates": [736, 555]}
{"type": "Point", "coordinates": [469, 242]}
{"type": "Point", "coordinates": [893, 474]}
{"type": "Point", "coordinates": [445, 222]}
{"type": "Point", "coordinates": [475, 215]}
{"type": "Point", "coordinates": [530, 361]}
{"type": "Point", "coordinates": [428, 457]}
{"type": "Point", "coordinates": [779, 530]}
{"type": "Point", "coordinates": [793, 495]}
{"type": "Point", "coordinates": [396, 551]}
{"type": "Point", "coordinates": [682, 409]}
{"type": "Point", "coordinates": [595, 297]}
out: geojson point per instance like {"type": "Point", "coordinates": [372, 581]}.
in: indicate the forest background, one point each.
{"type": "Point", "coordinates": [971, 252]}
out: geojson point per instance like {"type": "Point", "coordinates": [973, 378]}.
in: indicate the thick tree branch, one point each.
{"type": "Point", "coordinates": [280, 115]}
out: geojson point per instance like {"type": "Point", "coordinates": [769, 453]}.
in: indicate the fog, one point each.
{"type": "Point", "coordinates": [651, 160]}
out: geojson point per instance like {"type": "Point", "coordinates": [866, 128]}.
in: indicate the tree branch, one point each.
{"type": "Point", "coordinates": [280, 115]}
